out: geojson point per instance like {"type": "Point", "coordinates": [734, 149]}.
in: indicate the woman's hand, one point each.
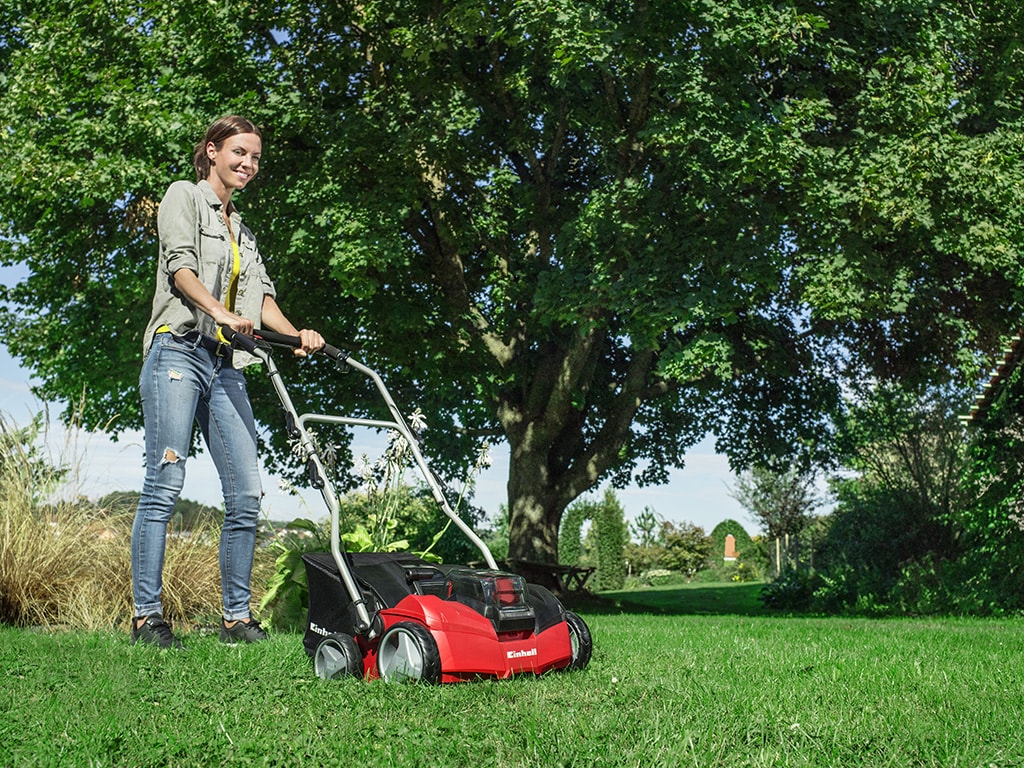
{"type": "Point", "coordinates": [237, 323]}
{"type": "Point", "coordinates": [311, 342]}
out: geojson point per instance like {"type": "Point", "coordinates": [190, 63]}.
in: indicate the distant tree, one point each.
{"type": "Point", "coordinates": [644, 549]}
{"type": "Point", "coordinates": [686, 547]}
{"type": "Point", "coordinates": [780, 503]}
{"type": "Point", "coordinates": [645, 527]}
{"type": "Point", "coordinates": [612, 536]}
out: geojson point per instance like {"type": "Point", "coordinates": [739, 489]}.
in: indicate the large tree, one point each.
{"type": "Point", "coordinates": [597, 230]}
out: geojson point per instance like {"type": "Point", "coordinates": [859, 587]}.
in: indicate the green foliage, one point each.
{"type": "Point", "coordinates": [926, 525]}
{"type": "Point", "coordinates": [23, 462]}
{"type": "Point", "coordinates": [413, 515]}
{"type": "Point", "coordinates": [660, 577]}
{"type": "Point", "coordinates": [792, 590]}
{"type": "Point", "coordinates": [570, 543]}
{"type": "Point", "coordinates": [744, 544]}
{"type": "Point", "coordinates": [752, 561]}
{"type": "Point", "coordinates": [386, 514]}
{"type": "Point", "coordinates": [900, 513]}
{"type": "Point", "coordinates": [597, 231]}
{"type": "Point", "coordinates": [285, 602]}
{"type": "Point", "coordinates": [608, 532]}
{"type": "Point", "coordinates": [495, 535]}
{"type": "Point", "coordinates": [685, 548]}
{"type": "Point", "coordinates": [612, 535]}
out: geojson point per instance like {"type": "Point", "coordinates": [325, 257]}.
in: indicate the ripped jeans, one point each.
{"type": "Point", "coordinates": [182, 382]}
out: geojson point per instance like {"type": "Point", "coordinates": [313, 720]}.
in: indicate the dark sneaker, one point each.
{"type": "Point", "coordinates": [154, 631]}
{"type": "Point", "coordinates": [242, 632]}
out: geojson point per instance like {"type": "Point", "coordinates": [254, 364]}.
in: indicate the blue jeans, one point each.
{"type": "Point", "coordinates": [182, 382]}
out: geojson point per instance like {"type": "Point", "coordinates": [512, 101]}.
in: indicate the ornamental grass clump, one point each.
{"type": "Point", "coordinates": [66, 563]}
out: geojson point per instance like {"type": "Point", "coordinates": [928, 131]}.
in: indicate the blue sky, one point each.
{"type": "Point", "coordinates": [699, 493]}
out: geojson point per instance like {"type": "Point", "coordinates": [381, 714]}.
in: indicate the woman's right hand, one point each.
{"type": "Point", "coordinates": [186, 281]}
{"type": "Point", "coordinates": [237, 323]}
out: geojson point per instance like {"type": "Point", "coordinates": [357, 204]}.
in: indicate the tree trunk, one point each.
{"type": "Point", "coordinates": [535, 508]}
{"type": "Point", "coordinates": [535, 513]}
{"type": "Point", "coordinates": [552, 459]}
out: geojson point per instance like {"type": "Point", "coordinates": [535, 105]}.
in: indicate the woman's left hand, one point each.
{"type": "Point", "coordinates": [311, 342]}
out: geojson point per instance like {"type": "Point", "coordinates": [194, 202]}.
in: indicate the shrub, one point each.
{"type": "Point", "coordinates": [685, 548]}
{"type": "Point", "coordinates": [658, 577]}
{"type": "Point", "coordinates": [792, 591]}
{"type": "Point", "coordinates": [67, 562]}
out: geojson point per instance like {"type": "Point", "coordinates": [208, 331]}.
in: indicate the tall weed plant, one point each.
{"type": "Point", "coordinates": [66, 562]}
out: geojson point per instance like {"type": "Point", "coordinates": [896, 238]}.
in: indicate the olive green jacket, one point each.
{"type": "Point", "coordinates": [193, 235]}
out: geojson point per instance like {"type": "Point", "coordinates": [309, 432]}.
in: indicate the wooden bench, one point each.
{"type": "Point", "coordinates": [561, 578]}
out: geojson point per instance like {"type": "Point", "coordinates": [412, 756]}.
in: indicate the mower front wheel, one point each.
{"type": "Point", "coordinates": [582, 642]}
{"type": "Point", "coordinates": [337, 657]}
{"type": "Point", "coordinates": [408, 653]}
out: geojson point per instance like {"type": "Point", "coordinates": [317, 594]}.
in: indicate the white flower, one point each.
{"type": "Point", "coordinates": [417, 421]}
{"type": "Point", "coordinates": [364, 469]}
{"type": "Point", "coordinates": [483, 456]}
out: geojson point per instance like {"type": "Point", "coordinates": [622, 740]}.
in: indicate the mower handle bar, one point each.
{"type": "Point", "coordinates": [249, 343]}
{"type": "Point", "coordinates": [252, 344]}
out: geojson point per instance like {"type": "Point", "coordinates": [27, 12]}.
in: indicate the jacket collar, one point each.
{"type": "Point", "coordinates": [211, 198]}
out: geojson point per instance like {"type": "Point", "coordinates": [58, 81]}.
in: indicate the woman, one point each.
{"type": "Point", "coordinates": [210, 274]}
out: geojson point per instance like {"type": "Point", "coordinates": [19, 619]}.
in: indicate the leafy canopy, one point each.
{"type": "Point", "coordinates": [595, 230]}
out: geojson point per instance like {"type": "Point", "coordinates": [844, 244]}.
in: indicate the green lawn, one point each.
{"type": "Point", "coordinates": [708, 685]}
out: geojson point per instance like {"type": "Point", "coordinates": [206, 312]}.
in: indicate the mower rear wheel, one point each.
{"type": "Point", "coordinates": [408, 653]}
{"type": "Point", "coordinates": [582, 642]}
{"type": "Point", "coordinates": [337, 657]}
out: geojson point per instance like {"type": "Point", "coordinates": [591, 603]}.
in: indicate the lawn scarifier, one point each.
{"type": "Point", "coordinates": [397, 617]}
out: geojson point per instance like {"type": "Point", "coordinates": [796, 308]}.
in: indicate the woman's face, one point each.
{"type": "Point", "coordinates": [235, 162]}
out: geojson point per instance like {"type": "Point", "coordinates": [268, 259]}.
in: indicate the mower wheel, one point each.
{"type": "Point", "coordinates": [582, 642]}
{"type": "Point", "coordinates": [408, 653]}
{"type": "Point", "coordinates": [337, 657]}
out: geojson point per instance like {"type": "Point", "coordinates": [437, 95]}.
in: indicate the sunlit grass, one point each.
{"type": "Point", "coordinates": [660, 691]}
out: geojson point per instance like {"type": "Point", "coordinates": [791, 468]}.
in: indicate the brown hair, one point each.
{"type": "Point", "coordinates": [225, 127]}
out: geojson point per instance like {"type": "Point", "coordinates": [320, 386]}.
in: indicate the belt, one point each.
{"type": "Point", "coordinates": [214, 347]}
{"type": "Point", "coordinates": [210, 344]}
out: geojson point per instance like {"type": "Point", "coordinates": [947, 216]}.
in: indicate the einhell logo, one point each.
{"type": "Point", "coordinates": [314, 627]}
{"type": "Point", "coordinates": [521, 654]}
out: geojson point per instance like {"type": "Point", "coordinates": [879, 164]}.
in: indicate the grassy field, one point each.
{"type": "Point", "coordinates": [705, 678]}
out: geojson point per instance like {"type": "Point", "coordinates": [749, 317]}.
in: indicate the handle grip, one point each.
{"type": "Point", "coordinates": [239, 340]}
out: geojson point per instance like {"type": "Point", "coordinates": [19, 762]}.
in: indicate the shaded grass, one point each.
{"type": "Point", "coordinates": [709, 690]}
{"type": "Point", "coordinates": [697, 598]}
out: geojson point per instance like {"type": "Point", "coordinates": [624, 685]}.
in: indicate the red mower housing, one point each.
{"type": "Point", "coordinates": [438, 623]}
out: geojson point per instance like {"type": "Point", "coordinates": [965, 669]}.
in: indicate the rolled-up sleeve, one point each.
{"type": "Point", "coordinates": [177, 223]}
